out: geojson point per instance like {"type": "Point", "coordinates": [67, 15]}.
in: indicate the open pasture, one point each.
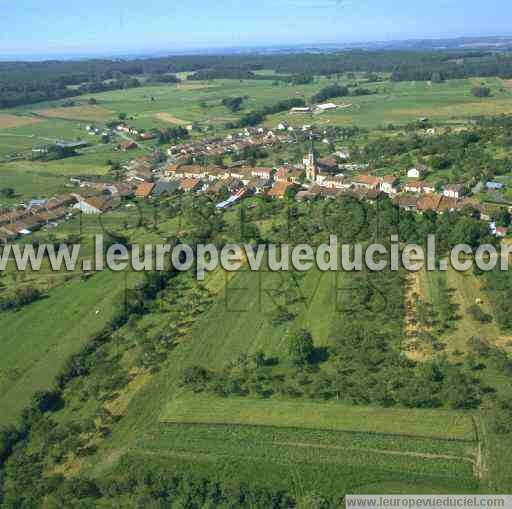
{"type": "Point", "coordinates": [403, 102]}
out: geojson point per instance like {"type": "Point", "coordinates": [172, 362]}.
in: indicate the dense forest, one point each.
{"type": "Point", "coordinates": [29, 82]}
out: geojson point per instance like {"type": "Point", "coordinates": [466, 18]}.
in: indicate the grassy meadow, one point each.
{"type": "Point", "coordinates": [36, 341]}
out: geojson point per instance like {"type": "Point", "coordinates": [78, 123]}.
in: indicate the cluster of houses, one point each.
{"type": "Point", "coordinates": [87, 197]}
{"type": "Point", "coordinates": [326, 177]}
{"type": "Point", "coordinates": [313, 178]}
{"type": "Point", "coordinates": [37, 214]}
{"type": "Point", "coordinates": [250, 137]}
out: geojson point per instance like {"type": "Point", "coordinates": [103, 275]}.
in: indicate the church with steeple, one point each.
{"type": "Point", "coordinates": [310, 164]}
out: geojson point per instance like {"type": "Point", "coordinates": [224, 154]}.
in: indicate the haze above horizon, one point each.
{"type": "Point", "coordinates": [57, 28]}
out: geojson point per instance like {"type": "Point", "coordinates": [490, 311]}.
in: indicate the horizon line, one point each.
{"type": "Point", "coordinates": [224, 49]}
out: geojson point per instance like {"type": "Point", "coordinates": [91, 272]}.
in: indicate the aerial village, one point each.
{"type": "Point", "coordinates": [312, 178]}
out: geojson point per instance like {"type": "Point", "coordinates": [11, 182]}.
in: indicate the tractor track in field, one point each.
{"type": "Point", "coordinates": [423, 455]}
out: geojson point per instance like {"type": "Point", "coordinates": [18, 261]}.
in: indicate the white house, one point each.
{"type": "Point", "coordinates": [333, 182]}
{"type": "Point", "coordinates": [389, 184]}
{"type": "Point", "coordinates": [343, 153]}
{"type": "Point", "coordinates": [264, 173]}
{"type": "Point", "coordinates": [302, 109]}
{"type": "Point", "coordinates": [419, 187]}
{"type": "Point", "coordinates": [454, 191]}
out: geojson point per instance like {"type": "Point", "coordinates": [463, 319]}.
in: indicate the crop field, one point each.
{"type": "Point", "coordinates": [89, 112]}
{"type": "Point", "coordinates": [166, 117]}
{"type": "Point", "coordinates": [295, 444]}
{"type": "Point", "coordinates": [329, 416]}
{"type": "Point", "coordinates": [7, 121]}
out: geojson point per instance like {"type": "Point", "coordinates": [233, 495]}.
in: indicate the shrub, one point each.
{"type": "Point", "coordinates": [478, 314]}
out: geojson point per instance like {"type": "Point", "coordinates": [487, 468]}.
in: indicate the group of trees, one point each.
{"type": "Point", "coordinates": [481, 91]}
{"type": "Point", "coordinates": [233, 103]}
{"type": "Point", "coordinates": [172, 135]}
{"type": "Point", "coordinates": [20, 297]}
{"type": "Point", "coordinates": [329, 92]}
{"type": "Point", "coordinates": [7, 192]}
{"type": "Point", "coordinates": [498, 286]}
{"type": "Point", "coordinates": [455, 156]}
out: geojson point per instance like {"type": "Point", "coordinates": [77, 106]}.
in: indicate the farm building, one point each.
{"type": "Point", "coordinates": [144, 190]}
{"type": "Point", "coordinates": [93, 205]}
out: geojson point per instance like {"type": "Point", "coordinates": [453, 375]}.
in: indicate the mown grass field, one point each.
{"type": "Point", "coordinates": [240, 321]}
{"type": "Point", "coordinates": [315, 415]}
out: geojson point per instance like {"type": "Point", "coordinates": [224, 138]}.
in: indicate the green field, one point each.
{"type": "Point", "coordinates": [330, 448]}
{"type": "Point", "coordinates": [462, 290]}
{"type": "Point", "coordinates": [331, 463]}
{"type": "Point", "coordinates": [36, 341]}
{"type": "Point", "coordinates": [394, 102]}
{"type": "Point", "coordinates": [327, 416]}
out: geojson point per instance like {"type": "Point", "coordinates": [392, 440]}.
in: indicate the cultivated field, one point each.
{"type": "Point", "coordinates": [329, 448]}
{"type": "Point", "coordinates": [85, 112]}
{"type": "Point", "coordinates": [7, 121]}
{"type": "Point", "coordinates": [166, 117]}
{"type": "Point", "coordinates": [328, 416]}
{"type": "Point", "coordinates": [395, 102]}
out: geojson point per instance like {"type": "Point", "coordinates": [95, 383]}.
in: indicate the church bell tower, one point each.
{"type": "Point", "coordinates": [310, 164]}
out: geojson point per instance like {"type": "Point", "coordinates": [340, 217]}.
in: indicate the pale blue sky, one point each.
{"type": "Point", "coordinates": [113, 26]}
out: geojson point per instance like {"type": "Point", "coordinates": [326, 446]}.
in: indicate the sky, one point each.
{"type": "Point", "coordinates": [60, 27]}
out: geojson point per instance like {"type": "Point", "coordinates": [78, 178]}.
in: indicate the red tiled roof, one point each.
{"type": "Point", "coordinates": [144, 189]}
